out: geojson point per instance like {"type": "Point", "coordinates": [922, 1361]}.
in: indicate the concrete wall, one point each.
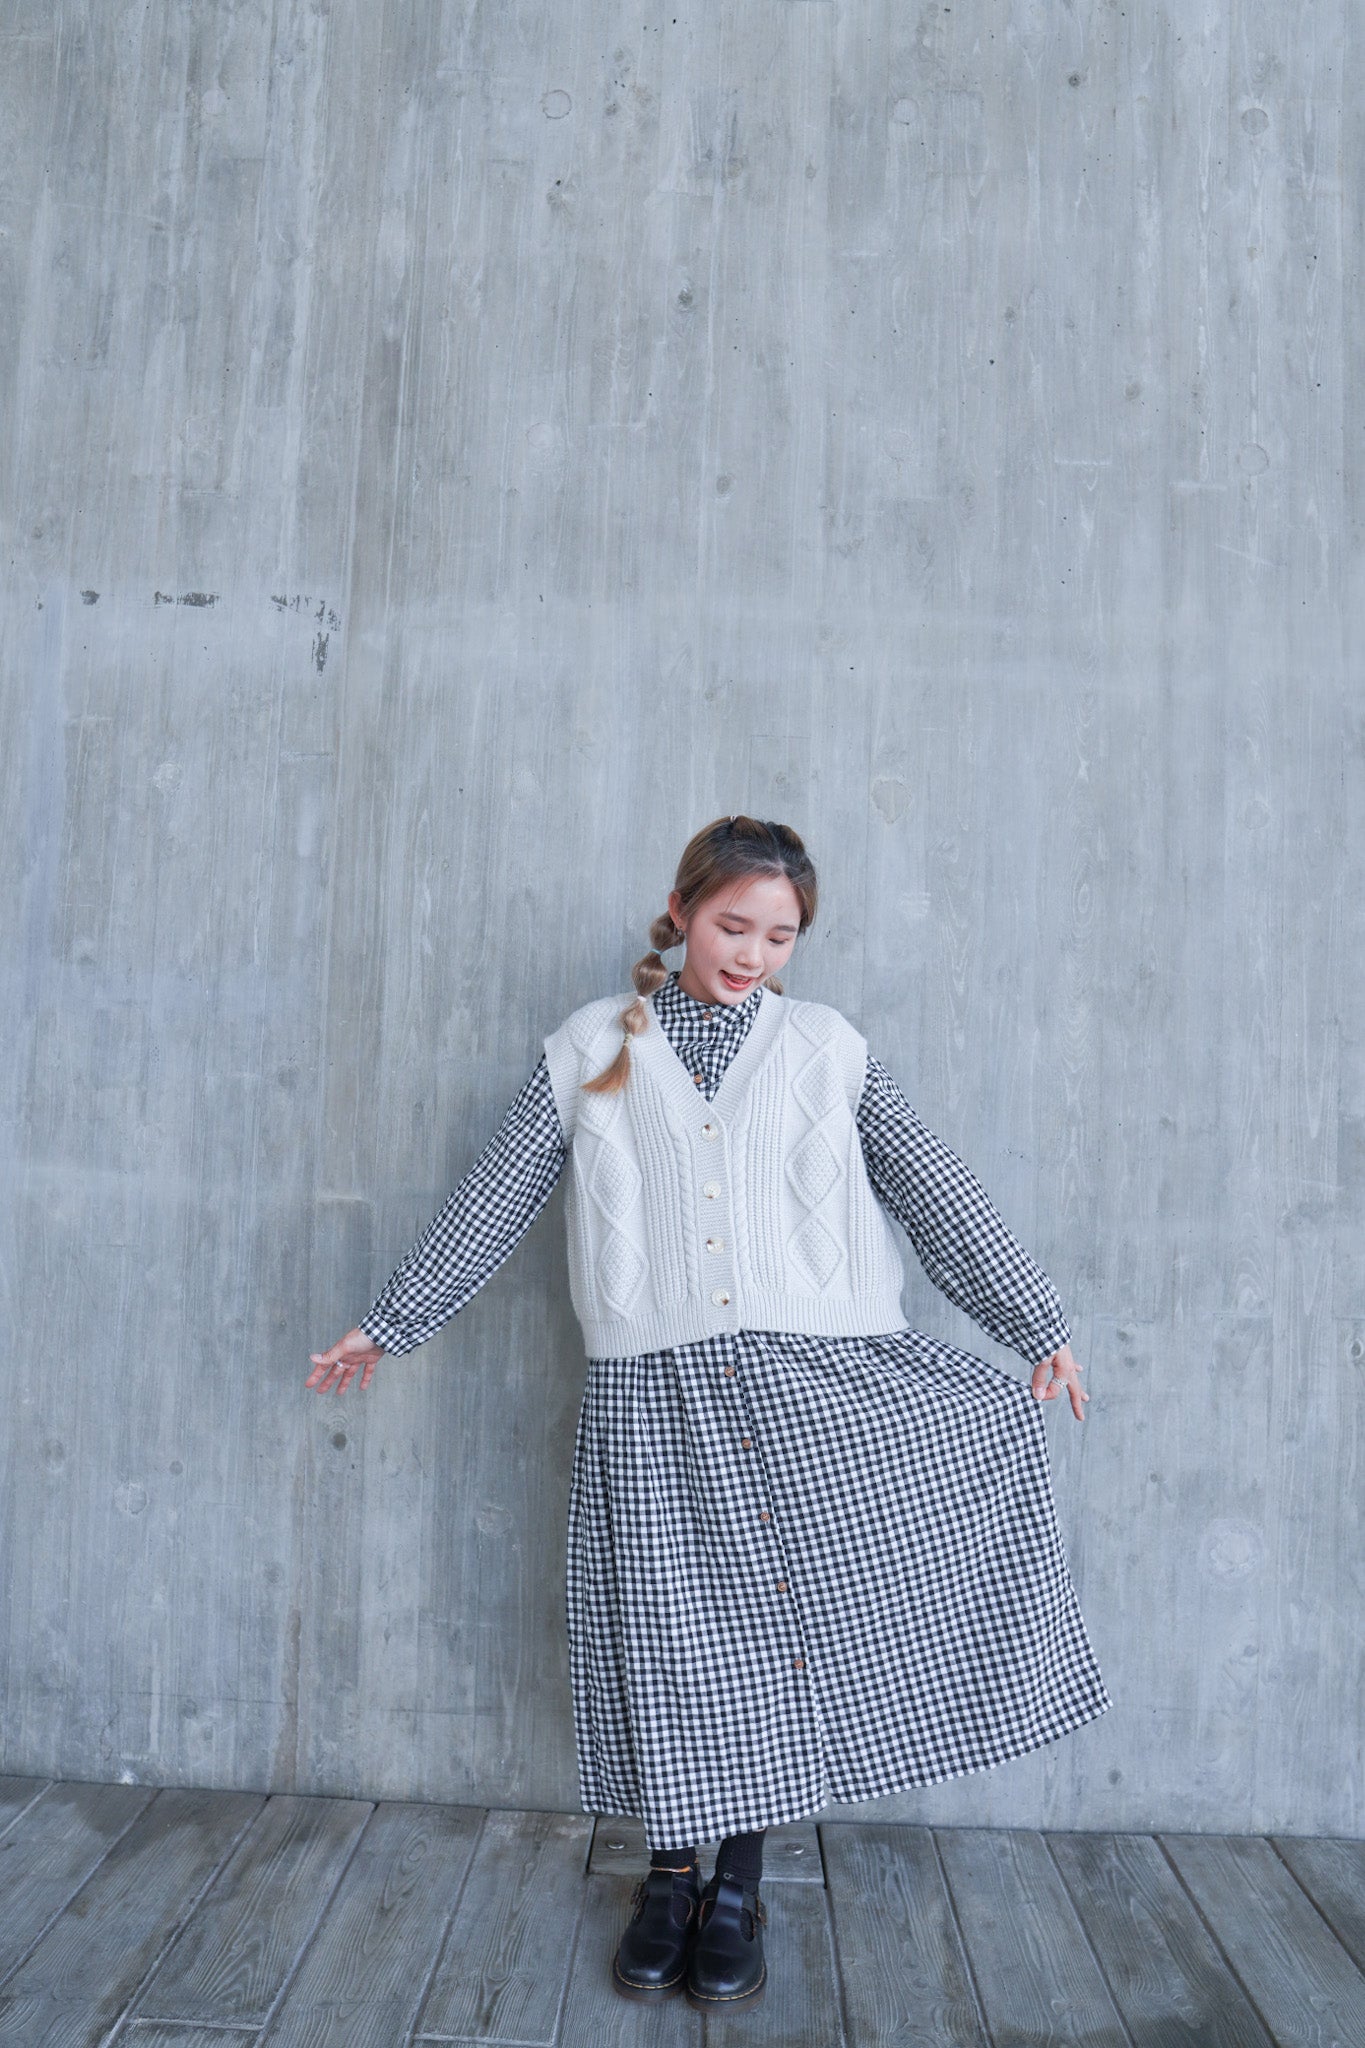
{"type": "Point", "coordinates": [448, 453]}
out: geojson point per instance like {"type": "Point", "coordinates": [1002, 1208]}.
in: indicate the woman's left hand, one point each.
{"type": "Point", "coordinates": [334, 1370]}
{"type": "Point", "coordinates": [1062, 1369]}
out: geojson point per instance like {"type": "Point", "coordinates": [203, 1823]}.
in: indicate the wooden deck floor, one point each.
{"type": "Point", "coordinates": [194, 1919]}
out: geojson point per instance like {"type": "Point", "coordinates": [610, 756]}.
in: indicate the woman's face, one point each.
{"type": "Point", "coordinates": [739, 935]}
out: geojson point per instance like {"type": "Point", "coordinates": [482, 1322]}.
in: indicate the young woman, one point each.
{"type": "Point", "coordinates": [813, 1554]}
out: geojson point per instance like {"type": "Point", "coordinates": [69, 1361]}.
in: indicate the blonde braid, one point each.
{"type": "Point", "coordinates": [648, 973]}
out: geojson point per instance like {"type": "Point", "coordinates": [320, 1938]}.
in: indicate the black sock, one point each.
{"type": "Point", "coordinates": [741, 1857]}
{"type": "Point", "coordinates": [676, 1860]}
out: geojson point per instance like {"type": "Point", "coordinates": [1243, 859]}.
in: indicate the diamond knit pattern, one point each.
{"type": "Point", "coordinates": [816, 1251]}
{"type": "Point", "coordinates": [620, 1272]}
{"type": "Point", "coordinates": [816, 1087]}
{"type": "Point", "coordinates": [615, 1182]}
{"type": "Point", "coordinates": [614, 1185]}
{"type": "Point", "coordinates": [814, 1171]}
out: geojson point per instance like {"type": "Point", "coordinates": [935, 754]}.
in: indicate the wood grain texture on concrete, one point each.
{"type": "Point", "coordinates": [1035, 1974]}
{"type": "Point", "coordinates": [1333, 1876]}
{"type": "Point", "coordinates": [525, 1879]}
{"type": "Point", "coordinates": [50, 1852]}
{"type": "Point", "coordinates": [238, 1952]}
{"type": "Point", "coordinates": [365, 1973]}
{"type": "Point", "coordinates": [906, 1978]}
{"type": "Point", "coordinates": [447, 455]}
{"type": "Point", "coordinates": [93, 1959]}
{"type": "Point", "coordinates": [1305, 1984]}
{"type": "Point", "coordinates": [1165, 1972]}
{"type": "Point", "coordinates": [288, 1923]}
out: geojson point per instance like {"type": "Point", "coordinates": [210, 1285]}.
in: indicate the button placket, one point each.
{"type": "Point", "coordinates": [716, 1242]}
{"type": "Point", "coordinates": [696, 1059]}
{"type": "Point", "coordinates": [695, 1056]}
{"type": "Point", "coordinates": [782, 1584]}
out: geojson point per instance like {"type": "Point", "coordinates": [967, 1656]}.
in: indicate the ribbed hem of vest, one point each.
{"type": "Point", "coordinates": [881, 1316]}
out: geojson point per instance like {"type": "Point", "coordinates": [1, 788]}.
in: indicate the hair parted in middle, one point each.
{"type": "Point", "coordinates": [727, 850]}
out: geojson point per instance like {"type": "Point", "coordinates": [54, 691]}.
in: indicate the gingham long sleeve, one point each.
{"type": "Point", "coordinates": [480, 1224]}
{"type": "Point", "coordinates": [957, 1232]}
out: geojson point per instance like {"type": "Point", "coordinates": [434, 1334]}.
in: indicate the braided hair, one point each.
{"type": "Point", "coordinates": [735, 849]}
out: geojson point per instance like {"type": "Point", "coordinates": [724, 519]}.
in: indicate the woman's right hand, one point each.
{"type": "Point", "coordinates": [334, 1370]}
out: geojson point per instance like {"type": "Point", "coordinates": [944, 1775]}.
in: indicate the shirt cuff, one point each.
{"type": "Point", "coordinates": [389, 1335]}
{"type": "Point", "coordinates": [1052, 1338]}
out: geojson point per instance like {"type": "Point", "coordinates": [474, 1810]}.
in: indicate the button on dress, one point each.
{"type": "Point", "coordinates": [799, 1570]}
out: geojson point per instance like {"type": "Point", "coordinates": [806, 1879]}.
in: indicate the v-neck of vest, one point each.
{"type": "Point", "coordinates": [759, 1040]}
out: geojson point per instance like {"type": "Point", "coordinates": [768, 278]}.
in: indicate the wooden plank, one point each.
{"type": "Point", "coordinates": [791, 1854]}
{"type": "Point", "coordinates": [899, 1955]}
{"type": "Point", "coordinates": [87, 1967]}
{"type": "Point", "coordinates": [363, 1978]}
{"type": "Point", "coordinates": [1306, 1986]}
{"type": "Point", "coordinates": [16, 1797]}
{"type": "Point", "coordinates": [50, 1852]}
{"type": "Point", "coordinates": [502, 1974]}
{"type": "Point", "coordinates": [593, 2012]}
{"type": "Point", "coordinates": [232, 1959]}
{"type": "Point", "coordinates": [1164, 1970]}
{"type": "Point", "coordinates": [1332, 1872]}
{"type": "Point", "coordinates": [1035, 1976]}
{"type": "Point", "coordinates": [40, 2022]}
{"type": "Point", "coordinates": [44, 2023]}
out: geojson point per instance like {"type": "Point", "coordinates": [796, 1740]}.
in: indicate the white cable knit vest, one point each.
{"type": "Point", "coordinates": [753, 1211]}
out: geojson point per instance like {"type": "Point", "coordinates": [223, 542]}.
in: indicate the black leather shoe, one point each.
{"type": "Point", "coordinates": [726, 1969]}
{"type": "Point", "coordinates": [652, 1959]}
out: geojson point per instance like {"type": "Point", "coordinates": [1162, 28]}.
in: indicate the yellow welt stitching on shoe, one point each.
{"type": "Point", "coordinates": [723, 1997]}
{"type": "Point", "coordinates": [635, 1983]}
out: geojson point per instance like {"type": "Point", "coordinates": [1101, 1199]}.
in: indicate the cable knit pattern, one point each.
{"type": "Point", "coordinates": [687, 1218]}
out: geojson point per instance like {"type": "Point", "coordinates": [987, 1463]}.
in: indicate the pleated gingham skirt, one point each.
{"type": "Point", "coordinates": [811, 1569]}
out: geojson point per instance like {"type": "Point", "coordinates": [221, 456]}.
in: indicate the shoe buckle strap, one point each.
{"type": "Point", "coordinates": [756, 1911]}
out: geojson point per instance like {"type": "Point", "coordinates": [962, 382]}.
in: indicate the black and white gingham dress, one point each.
{"type": "Point", "coordinates": [800, 1569]}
